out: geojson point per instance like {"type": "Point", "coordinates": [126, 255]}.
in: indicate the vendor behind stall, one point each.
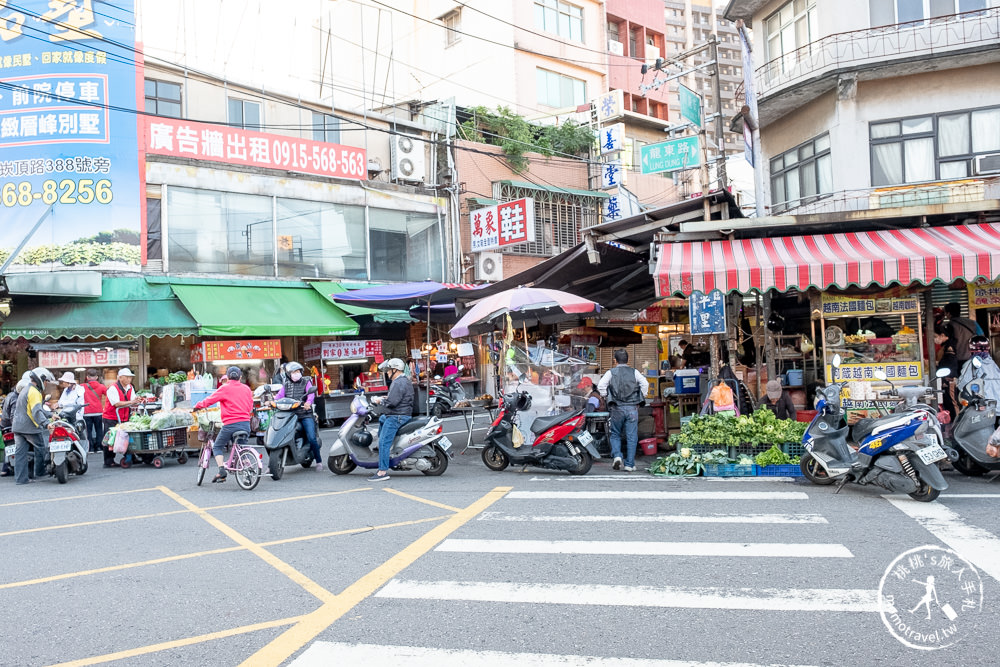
{"type": "Point", "coordinates": [778, 401]}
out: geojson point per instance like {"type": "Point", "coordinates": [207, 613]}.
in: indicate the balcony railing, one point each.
{"type": "Point", "coordinates": [961, 191]}
{"type": "Point", "coordinates": [876, 45]}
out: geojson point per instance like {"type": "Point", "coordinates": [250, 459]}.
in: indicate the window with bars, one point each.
{"type": "Point", "coordinates": [559, 217]}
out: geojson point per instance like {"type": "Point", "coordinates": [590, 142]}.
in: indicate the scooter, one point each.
{"type": "Point", "coordinates": [418, 445]}
{"type": "Point", "coordinates": [897, 452]}
{"type": "Point", "coordinates": [285, 438]}
{"type": "Point", "coordinates": [74, 415]}
{"type": "Point", "coordinates": [972, 430]}
{"type": "Point", "coordinates": [261, 417]}
{"type": "Point", "coordinates": [444, 396]}
{"type": "Point", "coordinates": [8, 449]}
{"type": "Point", "coordinates": [560, 441]}
{"type": "Point", "coordinates": [67, 453]}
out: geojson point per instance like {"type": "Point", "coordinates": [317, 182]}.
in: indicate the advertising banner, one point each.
{"type": "Point", "coordinates": [894, 370]}
{"type": "Point", "coordinates": [343, 349]}
{"type": "Point", "coordinates": [68, 134]}
{"type": "Point", "coordinates": [503, 225]}
{"type": "Point", "coordinates": [242, 350]}
{"type": "Point", "coordinates": [707, 312]}
{"type": "Point", "coordinates": [858, 306]}
{"type": "Point", "coordinates": [232, 145]}
{"type": "Point", "coordinates": [983, 294]}
{"type": "Point", "coordinates": [82, 358]}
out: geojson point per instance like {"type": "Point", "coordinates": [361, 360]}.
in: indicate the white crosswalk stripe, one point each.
{"type": "Point", "coordinates": [654, 518]}
{"type": "Point", "coordinates": [627, 548]}
{"type": "Point", "coordinates": [657, 495]}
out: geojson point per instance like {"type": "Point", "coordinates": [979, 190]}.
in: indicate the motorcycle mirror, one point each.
{"type": "Point", "coordinates": [880, 375]}
{"type": "Point", "coordinates": [461, 367]}
{"type": "Point", "coordinates": [977, 362]}
{"type": "Point", "coordinates": [836, 361]}
{"type": "Point", "coordinates": [943, 372]}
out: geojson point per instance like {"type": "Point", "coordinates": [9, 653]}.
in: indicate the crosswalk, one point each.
{"type": "Point", "coordinates": [523, 558]}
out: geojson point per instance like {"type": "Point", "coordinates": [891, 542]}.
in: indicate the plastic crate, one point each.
{"type": "Point", "coordinates": [143, 441]}
{"type": "Point", "coordinates": [785, 470]}
{"type": "Point", "coordinates": [729, 470]}
{"type": "Point", "coordinates": [172, 437]}
{"type": "Point", "coordinates": [793, 448]}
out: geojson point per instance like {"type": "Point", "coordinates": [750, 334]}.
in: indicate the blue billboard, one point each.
{"type": "Point", "coordinates": [68, 135]}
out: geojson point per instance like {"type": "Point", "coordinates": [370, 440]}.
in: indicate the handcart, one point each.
{"type": "Point", "coordinates": [151, 446]}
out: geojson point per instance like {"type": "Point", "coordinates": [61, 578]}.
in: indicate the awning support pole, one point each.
{"type": "Point", "coordinates": [929, 338]}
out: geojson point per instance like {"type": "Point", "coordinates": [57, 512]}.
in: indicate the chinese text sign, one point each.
{"type": "Point", "coordinates": [503, 225]}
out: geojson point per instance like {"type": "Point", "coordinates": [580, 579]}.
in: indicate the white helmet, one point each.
{"type": "Point", "coordinates": [394, 363]}
{"type": "Point", "coordinates": [43, 374]}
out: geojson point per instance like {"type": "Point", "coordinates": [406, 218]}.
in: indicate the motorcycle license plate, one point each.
{"type": "Point", "coordinates": [60, 445]}
{"type": "Point", "coordinates": [445, 443]}
{"type": "Point", "coordinates": [931, 454]}
{"type": "Point", "coordinates": [584, 438]}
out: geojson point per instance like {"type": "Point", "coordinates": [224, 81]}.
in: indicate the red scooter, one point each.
{"type": "Point", "coordinates": [559, 442]}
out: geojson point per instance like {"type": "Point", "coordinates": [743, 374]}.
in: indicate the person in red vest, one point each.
{"type": "Point", "coordinates": [120, 399]}
{"type": "Point", "coordinates": [93, 411]}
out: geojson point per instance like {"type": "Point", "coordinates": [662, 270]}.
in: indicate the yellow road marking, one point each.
{"type": "Point", "coordinates": [89, 495]}
{"type": "Point", "coordinates": [293, 639]}
{"type": "Point", "coordinates": [178, 643]}
{"type": "Point", "coordinates": [282, 500]}
{"type": "Point", "coordinates": [281, 566]}
{"type": "Point", "coordinates": [432, 503]}
{"type": "Point", "coordinates": [211, 552]}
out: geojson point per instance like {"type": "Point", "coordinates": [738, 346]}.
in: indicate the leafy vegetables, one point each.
{"type": "Point", "coordinates": [759, 429]}
{"type": "Point", "coordinates": [775, 457]}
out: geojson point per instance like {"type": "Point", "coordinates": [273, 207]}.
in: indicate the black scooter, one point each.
{"type": "Point", "coordinates": [971, 432]}
{"type": "Point", "coordinates": [444, 396]}
{"type": "Point", "coordinates": [285, 439]}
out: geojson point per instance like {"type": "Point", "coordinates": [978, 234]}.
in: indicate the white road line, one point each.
{"type": "Point", "coordinates": [323, 654]}
{"type": "Point", "coordinates": [978, 546]}
{"type": "Point", "coordinates": [628, 548]}
{"type": "Point", "coordinates": [763, 599]}
{"type": "Point", "coordinates": [970, 495]}
{"type": "Point", "coordinates": [655, 518]}
{"type": "Point", "coordinates": [657, 495]}
{"type": "Point", "coordinates": [626, 477]}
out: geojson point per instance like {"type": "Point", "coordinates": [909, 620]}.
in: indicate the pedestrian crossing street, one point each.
{"type": "Point", "coordinates": [801, 567]}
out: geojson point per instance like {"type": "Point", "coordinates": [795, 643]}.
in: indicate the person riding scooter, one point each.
{"type": "Point", "coordinates": [397, 409]}
{"type": "Point", "coordinates": [31, 421]}
{"type": "Point", "coordinates": [297, 387]}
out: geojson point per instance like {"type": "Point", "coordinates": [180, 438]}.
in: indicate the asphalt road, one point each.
{"type": "Point", "coordinates": [142, 567]}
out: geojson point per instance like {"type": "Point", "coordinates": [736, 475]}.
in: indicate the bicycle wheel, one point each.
{"type": "Point", "coordinates": [203, 460]}
{"type": "Point", "coordinates": [247, 469]}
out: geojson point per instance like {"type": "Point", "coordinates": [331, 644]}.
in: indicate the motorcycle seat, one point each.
{"type": "Point", "coordinates": [863, 427]}
{"type": "Point", "coordinates": [412, 425]}
{"type": "Point", "coordinates": [542, 424]}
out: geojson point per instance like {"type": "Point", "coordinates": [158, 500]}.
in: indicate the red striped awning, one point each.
{"type": "Point", "coordinates": [899, 256]}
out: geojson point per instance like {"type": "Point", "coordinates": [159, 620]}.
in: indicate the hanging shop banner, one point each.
{"type": "Point", "coordinates": [241, 350]}
{"type": "Point", "coordinates": [198, 354]}
{"type": "Point", "coordinates": [984, 294]}
{"type": "Point", "coordinates": [231, 145]}
{"type": "Point", "coordinates": [502, 225]}
{"type": "Point", "coordinates": [894, 370]}
{"type": "Point", "coordinates": [67, 138]}
{"type": "Point", "coordinates": [860, 306]}
{"type": "Point", "coordinates": [707, 313]}
{"type": "Point", "coordinates": [343, 349]}
{"type": "Point", "coordinates": [81, 358]}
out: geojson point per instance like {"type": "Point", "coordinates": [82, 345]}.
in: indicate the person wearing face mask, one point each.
{"type": "Point", "coordinates": [397, 409]}
{"type": "Point", "coordinates": [301, 388]}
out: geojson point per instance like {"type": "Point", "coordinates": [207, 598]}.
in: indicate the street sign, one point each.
{"type": "Point", "coordinates": [670, 155]}
{"type": "Point", "coordinates": [707, 313]}
{"type": "Point", "coordinates": [690, 105]}
{"type": "Point", "coordinates": [612, 138]}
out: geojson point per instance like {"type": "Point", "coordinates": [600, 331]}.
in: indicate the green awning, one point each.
{"type": "Point", "coordinates": [484, 201]}
{"type": "Point", "coordinates": [249, 310]}
{"type": "Point", "coordinates": [128, 307]}
{"type": "Point", "coordinates": [555, 189]}
{"type": "Point", "coordinates": [380, 316]}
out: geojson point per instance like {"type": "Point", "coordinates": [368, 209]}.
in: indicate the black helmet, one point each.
{"type": "Point", "coordinates": [520, 401]}
{"type": "Point", "coordinates": [362, 438]}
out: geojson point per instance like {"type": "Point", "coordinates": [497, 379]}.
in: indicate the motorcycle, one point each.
{"type": "Point", "coordinates": [285, 438]}
{"type": "Point", "coordinates": [444, 396]}
{"type": "Point", "coordinates": [74, 415]}
{"type": "Point", "coordinates": [418, 445]}
{"type": "Point", "coordinates": [898, 452]}
{"type": "Point", "coordinates": [971, 432]}
{"type": "Point", "coordinates": [262, 413]}
{"type": "Point", "coordinates": [561, 441]}
{"type": "Point", "coordinates": [8, 448]}
{"type": "Point", "coordinates": [67, 453]}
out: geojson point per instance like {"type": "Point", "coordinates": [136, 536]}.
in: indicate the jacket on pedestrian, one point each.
{"type": "Point", "coordinates": [623, 385]}
{"type": "Point", "coordinates": [235, 401]}
{"type": "Point", "coordinates": [303, 391]}
{"type": "Point", "coordinates": [30, 416]}
{"type": "Point", "coordinates": [93, 392]}
{"type": "Point", "coordinates": [7, 413]}
{"type": "Point", "coordinates": [400, 398]}
{"type": "Point", "coordinates": [783, 408]}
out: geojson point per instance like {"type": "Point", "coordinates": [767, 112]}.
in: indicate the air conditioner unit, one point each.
{"type": "Point", "coordinates": [986, 164]}
{"type": "Point", "coordinates": [616, 47]}
{"type": "Point", "coordinates": [652, 53]}
{"type": "Point", "coordinates": [489, 266]}
{"type": "Point", "coordinates": [408, 161]}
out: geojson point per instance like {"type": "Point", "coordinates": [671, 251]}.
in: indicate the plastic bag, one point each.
{"type": "Point", "coordinates": [516, 437]}
{"type": "Point", "coordinates": [121, 441]}
{"type": "Point", "coordinates": [175, 418]}
{"type": "Point", "coordinates": [209, 419]}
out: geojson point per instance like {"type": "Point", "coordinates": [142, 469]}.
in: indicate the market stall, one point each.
{"type": "Point", "coordinates": [107, 357]}
{"type": "Point", "coordinates": [343, 366]}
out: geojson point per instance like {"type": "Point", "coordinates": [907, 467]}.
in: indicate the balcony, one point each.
{"type": "Point", "coordinates": [957, 40]}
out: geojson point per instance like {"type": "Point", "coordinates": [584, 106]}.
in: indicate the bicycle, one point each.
{"type": "Point", "coordinates": [244, 461]}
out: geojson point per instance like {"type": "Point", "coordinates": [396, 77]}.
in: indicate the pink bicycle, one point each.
{"type": "Point", "coordinates": [244, 461]}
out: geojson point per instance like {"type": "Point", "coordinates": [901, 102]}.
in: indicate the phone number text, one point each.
{"type": "Point", "coordinates": [51, 191]}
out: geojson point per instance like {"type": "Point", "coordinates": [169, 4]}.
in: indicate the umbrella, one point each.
{"type": "Point", "coordinates": [524, 304]}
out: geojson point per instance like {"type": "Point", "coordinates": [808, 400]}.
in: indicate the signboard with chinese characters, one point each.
{"type": "Point", "coordinates": [983, 294]}
{"type": "Point", "coordinates": [670, 155]}
{"type": "Point", "coordinates": [502, 225]}
{"type": "Point", "coordinates": [613, 207]}
{"type": "Point", "coordinates": [343, 349]}
{"type": "Point", "coordinates": [612, 138]}
{"type": "Point", "coordinates": [198, 354]}
{"type": "Point", "coordinates": [707, 312]}
{"type": "Point", "coordinates": [67, 138]}
{"type": "Point", "coordinates": [101, 358]}
{"type": "Point", "coordinates": [231, 145]}
{"type": "Point", "coordinates": [690, 104]}
{"type": "Point", "coordinates": [610, 105]}
{"type": "Point", "coordinates": [612, 173]}
{"type": "Point", "coordinates": [859, 306]}
{"type": "Point", "coordinates": [894, 370]}
{"type": "Point", "coordinates": [242, 350]}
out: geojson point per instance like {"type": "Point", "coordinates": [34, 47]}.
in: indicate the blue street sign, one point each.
{"type": "Point", "coordinates": [707, 312]}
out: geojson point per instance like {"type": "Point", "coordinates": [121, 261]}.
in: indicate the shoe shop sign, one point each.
{"type": "Point", "coordinates": [502, 225]}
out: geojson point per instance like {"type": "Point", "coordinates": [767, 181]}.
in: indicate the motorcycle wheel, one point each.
{"type": "Point", "coordinates": [967, 466]}
{"type": "Point", "coordinates": [438, 464]}
{"type": "Point", "coordinates": [340, 465]}
{"type": "Point", "coordinates": [584, 462]}
{"type": "Point", "coordinates": [275, 463]}
{"type": "Point", "coordinates": [437, 410]}
{"type": "Point", "coordinates": [494, 458]}
{"type": "Point", "coordinates": [926, 494]}
{"type": "Point", "coordinates": [62, 472]}
{"type": "Point", "coordinates": [83, 467]}
{"type": "Point", "coordinates": [247, 471]}
{"type": "Point", "coordinates": [813, 471]}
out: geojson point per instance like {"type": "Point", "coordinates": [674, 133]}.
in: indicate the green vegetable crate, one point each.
{"type": "Point", "coordinates": [783, 470]}
{"type": "Point", "coordinates": [729, 470]}
{"type": "Point", "coordinates": [793, 448]}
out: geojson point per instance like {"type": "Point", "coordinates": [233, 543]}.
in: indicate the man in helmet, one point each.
{"type": "Point", "coordinates": [236, 403]}
{"type": "Point", "coordinates": [397, 409]}
{"type": "Point", "coordinates": [986, 373]}
{"type": "Point", "coordinates": [31, 421]}
{"type": "Point", "coordinates": [301, 388]}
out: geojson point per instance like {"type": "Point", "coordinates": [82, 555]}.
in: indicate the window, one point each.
{"type": "Point", "coordinates": [559, 17]}
{"type": "Point", "coordinates": [557, 90]}
{"type": "Point", "coordinates": [791, 27]}
{"type": "Point", "coordinates": [154, 238]}
{"type": "Point", "coordinates": [928, 148]}
{"type": "Point", "coordinates": [633, 43]}
{"type": "Point", "coordinates": [326, 128]}
{"type": "Point", "coordinates": [888, 12]}
{"type": "Point", "coordinates": [318, 239]}
{"type": "Point", "coordinates": [453, 25]}
{"type": "Point", "coordinates": [244, 114]}
{"type": "Point", "coordinates": [163, 98]}
{"type": "Point", "coordinates": [405, 234]}
{"type": "Point", "coordinates": [802, 174]}
{"type": "Point", "coordinates": [559, 217]}
{"type": "Point", "coordinates": [614, 32]}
